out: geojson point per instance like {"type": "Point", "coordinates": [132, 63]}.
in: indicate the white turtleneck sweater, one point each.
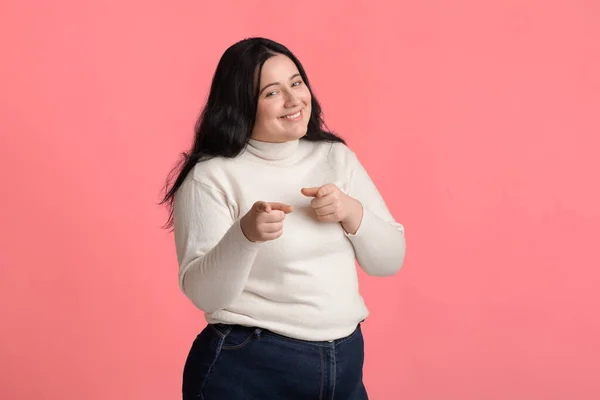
{"type": "Point", "coordinates": [304, 284]}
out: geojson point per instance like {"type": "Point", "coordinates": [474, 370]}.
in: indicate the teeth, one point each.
{"type": "Point", "coordinates": [293, 115]}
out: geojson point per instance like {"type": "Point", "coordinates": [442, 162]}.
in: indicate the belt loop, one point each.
{"type": "Point", "coordinates": [257, 332]}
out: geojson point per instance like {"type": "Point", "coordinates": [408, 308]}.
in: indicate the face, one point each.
{"type": "Point", "coordinates": [283, 109]}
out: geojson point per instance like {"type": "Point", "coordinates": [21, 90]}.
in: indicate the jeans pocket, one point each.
{"type": "Point", "coordinates": [236, 337]}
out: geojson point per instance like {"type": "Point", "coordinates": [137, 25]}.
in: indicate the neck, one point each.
{"type": "Point", "coordinates": [273, 151]}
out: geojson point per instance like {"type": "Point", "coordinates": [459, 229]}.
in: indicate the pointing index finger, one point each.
{"type": "Point", "coordinates": [282, 207]}
{"type": "Point", "coordinates": [310, 192]}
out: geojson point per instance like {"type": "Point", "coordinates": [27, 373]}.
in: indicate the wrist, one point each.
{"type": "Point", "coordinates": [244, 229]}
{"type": "Point", "coordinates": [352, 222]}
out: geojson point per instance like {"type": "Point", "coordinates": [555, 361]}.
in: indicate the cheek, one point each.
{"type": "Point", "coordinates": [264, 113]}
{"type": "Point", "coordinates": [307, 102]}
{"type": "Point", "coordinates": [307, 97]}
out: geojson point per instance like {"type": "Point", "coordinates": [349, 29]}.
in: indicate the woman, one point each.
{"type": "Point", "coordinates": [270, 212]}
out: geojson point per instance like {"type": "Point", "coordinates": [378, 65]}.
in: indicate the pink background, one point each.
{"type": "Point", "coordinates": [478, 120]}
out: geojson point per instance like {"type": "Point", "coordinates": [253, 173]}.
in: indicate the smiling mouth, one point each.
{"type": "Point", "coordinates": [292, 117]}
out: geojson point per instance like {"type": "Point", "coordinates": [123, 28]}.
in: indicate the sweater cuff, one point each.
{"type": "Point", "coordinates": [366, 224]}
{"type": "Point", "coordinates": [370, 225]}
{"type": "Point", "coordinates": [238, 236]}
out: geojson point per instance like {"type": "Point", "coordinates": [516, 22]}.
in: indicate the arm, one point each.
{"type": "Point", "coordinates": [379, 242]}
{"type": "Point", "coordinates": [214, 255]}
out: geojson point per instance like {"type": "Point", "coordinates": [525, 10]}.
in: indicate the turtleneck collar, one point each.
{"type": "Point", "coordinates": [271, 151]}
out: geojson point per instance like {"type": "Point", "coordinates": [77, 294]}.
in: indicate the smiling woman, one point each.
{"type": "Point", "coordinates": [271, 261]}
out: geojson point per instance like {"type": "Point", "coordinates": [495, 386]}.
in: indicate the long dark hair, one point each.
{"type": "Point", "coordinates": [225, 124]}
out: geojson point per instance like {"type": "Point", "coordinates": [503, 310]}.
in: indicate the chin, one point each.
{"type": "Point", "coordinates": [292, 134]}
{"type": "Point", "coordinates": [297, 135]}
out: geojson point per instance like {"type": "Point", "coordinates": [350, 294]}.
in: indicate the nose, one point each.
{"type": "Point", "coordinates": [291, 99]}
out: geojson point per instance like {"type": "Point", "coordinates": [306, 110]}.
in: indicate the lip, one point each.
{"type": "Point", "coordinates": [299, 117]}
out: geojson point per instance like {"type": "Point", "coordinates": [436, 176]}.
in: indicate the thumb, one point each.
{"type": "Point", "coordinates": [262, 206]}
{"type": "Point", "coordinates": [310, 192]}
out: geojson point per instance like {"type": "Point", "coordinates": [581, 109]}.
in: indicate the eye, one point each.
{"type": "Point", "coordinates": [271, 93]}
{"type": "Point", "coordinates": [298, 83]}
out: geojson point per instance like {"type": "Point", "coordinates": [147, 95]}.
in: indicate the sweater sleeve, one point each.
{"type": "Point", "coordinates": [379, 242]}
{"type": "Point", "coordinates": [214, 255]}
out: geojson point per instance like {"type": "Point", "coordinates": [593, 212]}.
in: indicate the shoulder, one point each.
{"type": "Point", "coordinates": [341, 155]}
{"type": "Point", "coordinates": [211, 174]}
{"type": "Point", "coordinates": [207, 170]}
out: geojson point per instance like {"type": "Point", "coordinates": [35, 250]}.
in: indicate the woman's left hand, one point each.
{"type": "Point", "coordinates": [332, 205]}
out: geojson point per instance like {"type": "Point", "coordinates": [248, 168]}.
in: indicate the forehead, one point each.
{"type": "Point", "coordinates": [277, 68]}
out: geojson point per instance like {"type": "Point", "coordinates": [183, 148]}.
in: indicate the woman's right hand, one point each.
{"type": "Point", "coordinates": [264, 221]}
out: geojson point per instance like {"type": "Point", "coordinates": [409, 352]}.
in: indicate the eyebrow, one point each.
{"type": "Point", "coordinates": [277, 83]}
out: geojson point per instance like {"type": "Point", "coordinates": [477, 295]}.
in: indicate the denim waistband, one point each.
{"type": "Point", "coordinates": [225, 329]}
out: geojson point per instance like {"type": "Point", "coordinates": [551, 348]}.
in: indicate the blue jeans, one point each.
{"type": "Point", "coordinates": [232, 362]}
